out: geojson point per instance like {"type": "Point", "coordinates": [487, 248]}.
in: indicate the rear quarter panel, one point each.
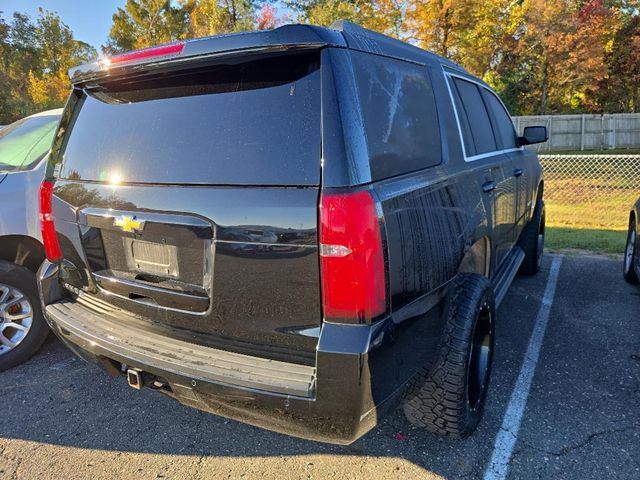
{"type": "Point", "coordinates": [19, 199]}
{"type": "Point", "coordinates": [431, 218]}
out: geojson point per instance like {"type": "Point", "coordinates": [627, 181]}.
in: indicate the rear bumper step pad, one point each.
{"type": "Point", "coordinates": [109, 332]}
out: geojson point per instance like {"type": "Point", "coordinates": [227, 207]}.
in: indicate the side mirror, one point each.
{"type": "Point", "coordinates": [533, 135]}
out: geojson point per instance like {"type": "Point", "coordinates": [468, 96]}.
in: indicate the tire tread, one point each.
{"type": "Point", "coordinates": [436, 397]}
{"type": "Point", "coordinates": [631, 276]}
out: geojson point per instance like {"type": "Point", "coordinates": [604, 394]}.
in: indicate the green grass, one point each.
{"type": "Point", "coordinates": [595, 240]}
{"type": "Point", "coordinates": [595, 194]}
{"type": "Point", "coordinates": [596, 213]}
{"type": "Point", "coordinates": [588, 201]}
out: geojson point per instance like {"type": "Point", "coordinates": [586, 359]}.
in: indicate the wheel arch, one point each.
{"type": "Point", "coordinates": [22, 250]}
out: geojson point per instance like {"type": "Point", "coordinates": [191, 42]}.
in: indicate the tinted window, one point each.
{"type": "Point", "coordinates": [399, 112]}
{"type": "Point", "coordinates": [469, 146]}
{"type": "Point", "coordinates": [505, 133]}
{"type": "Point", "coordinates": [25, 142]}
{"type": "Point", "coordinates": [477, 116]}
{"type": "Point", "coordinates": [246, 122]}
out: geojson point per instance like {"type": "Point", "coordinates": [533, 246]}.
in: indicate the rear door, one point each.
{"type": "Point", "coordinates": [521, 167]}
{"type": "Point", "coordinates": [527, 171]}
{"type": "Point", "coordinates": [492, 164]}
{"type": "Point", "coordinates": [190, 198]}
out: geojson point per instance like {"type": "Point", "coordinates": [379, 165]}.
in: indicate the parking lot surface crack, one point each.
{"type": "Point", "coordinates": [571, 448]}
{"type": "Point", "coordinates": [197, 471]}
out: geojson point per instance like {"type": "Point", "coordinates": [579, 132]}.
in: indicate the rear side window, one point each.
{"type": "Point", "coordinates": [245, 122]}
{"type": "Point", "coordinates": [24, 143]}
{"type": "Point", "coordinates": [467, 138]}
{"type": "Point", "coordinates": [505, 133]}
{"type": "Point", "coordinates": [479, 138]}
{"type": "Point", "coordinates": [399, 112]}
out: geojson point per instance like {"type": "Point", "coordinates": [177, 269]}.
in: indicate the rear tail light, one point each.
{"type": "Point", "coordinates": [351, 258]}
{"type": "Point", "coordinates": [170, 50]}
{"type": "Point", "coordinates": [49, 235]}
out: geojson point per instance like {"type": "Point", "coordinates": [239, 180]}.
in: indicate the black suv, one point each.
{"type": "Point", "coordinates": [292, 228]}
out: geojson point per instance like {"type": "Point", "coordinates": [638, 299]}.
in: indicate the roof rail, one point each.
{"type": "Point", "coordinates": [360, 38]}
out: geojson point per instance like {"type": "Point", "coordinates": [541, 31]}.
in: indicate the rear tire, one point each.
{"type": "Point", "coordinates": [631, 255]}
{"type": "Point", "coordinates": [532, 241]}
{"type": "Point", "coordinates": [449, 397]}
{"type": "Point", "coordinates": [23, 329]}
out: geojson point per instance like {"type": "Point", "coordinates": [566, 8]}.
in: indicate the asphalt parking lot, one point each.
{"type": "Point", "coordinates": [62, 418]}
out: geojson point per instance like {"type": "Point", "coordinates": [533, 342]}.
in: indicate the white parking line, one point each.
{"type": "Point", "coordinates": [508, 433]}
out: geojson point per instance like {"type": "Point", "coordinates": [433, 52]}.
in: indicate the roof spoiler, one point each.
{"type": "Point", "coordinates": [280, 39]}
{"type": "Point", "coordinates": [342, 34]}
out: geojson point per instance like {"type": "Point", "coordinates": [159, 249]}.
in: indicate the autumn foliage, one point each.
{"type": "Point", "coordinates": [34, 59]}
{"type": "Point", "coordinates": [563, 56]}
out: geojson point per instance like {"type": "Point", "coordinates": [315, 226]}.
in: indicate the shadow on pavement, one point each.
{"type": "Point", "coordinates": [62, 413]}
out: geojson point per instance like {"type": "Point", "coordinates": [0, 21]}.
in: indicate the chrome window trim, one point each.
{"type": "Point", "coordinates": [480, 156]}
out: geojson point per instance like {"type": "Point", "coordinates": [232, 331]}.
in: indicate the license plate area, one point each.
{"type": "Point", "coordinates": [158, 259]}
{"type": "Point", "coordinates": [166, 261]}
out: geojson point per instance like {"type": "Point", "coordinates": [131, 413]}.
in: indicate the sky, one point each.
{"type": "Point", "coordinates": [89, 20]}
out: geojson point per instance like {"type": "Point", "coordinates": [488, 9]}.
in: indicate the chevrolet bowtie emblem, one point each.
{"type": "Point", "coordinates": [128, 224]}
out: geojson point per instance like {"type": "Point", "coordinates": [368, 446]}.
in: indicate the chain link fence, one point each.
{"type": "Point", "coordinates": [590, 191]}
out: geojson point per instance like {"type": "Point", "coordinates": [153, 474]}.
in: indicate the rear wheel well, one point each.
{"type": "Point", "coordinates": [22, 250]}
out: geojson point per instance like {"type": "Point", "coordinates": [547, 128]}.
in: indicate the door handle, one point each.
{"type": "Point", "coordinates": [489, 186]}
{"type": "Point", "coordinates": [518, 171]}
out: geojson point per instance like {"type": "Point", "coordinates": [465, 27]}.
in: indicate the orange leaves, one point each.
{"type": "Point", "coordinates": [545, 56]}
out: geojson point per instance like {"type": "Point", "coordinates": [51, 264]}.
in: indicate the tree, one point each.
{"type": "Point", "coordinates": [144, 23]}
{"type": "Point", "coordinates": [542, 57]}
{"type": "Point", "coordinates": [24, 52]}
{"type": "Point", "coordinates": [49, 85]}
{"type": "Point", "coordinates": [620, 89]}
{"type": "Point", "coordinates": [5, 79]}
{"type": "Point", "coordinates": [473, 33]}
{"type": "Point", "coordinates": [35, 58]}
{"type": "Point", "coordinates": [384, 16]}
{"type": "Point", "coordinates": [19, 56]}
{"type": "Point", "coordinates": [55, 41]}
{"type": "Point", "coordinates": [326, 12]}
{"type": "Point", "coordinates": [213, 17]}
{"type": "Point", "coordinates": [267, 18]}
{"type": "Point", "coordinates": [437, 25]}
{"type": "Point", "coordinates": [561, 53]}
{"type": "Point", "coordinates": [491, 34]}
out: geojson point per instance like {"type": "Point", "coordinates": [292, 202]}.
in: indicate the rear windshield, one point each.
{"type": "Point", "coordinates": [245, 122]}
{"type": "Point", "coordinates": [25, 142]}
